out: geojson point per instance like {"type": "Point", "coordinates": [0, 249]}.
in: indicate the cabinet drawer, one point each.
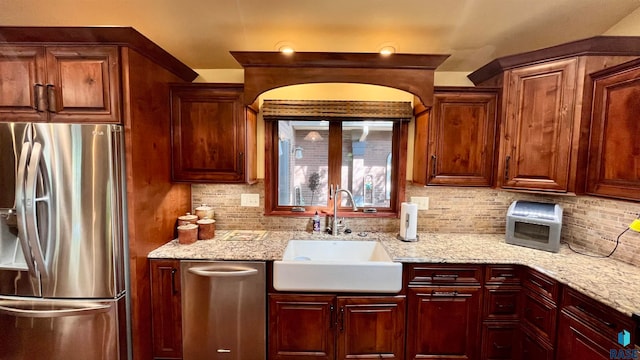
{"type": "Point", "coordinates": [606, 320]}
{"type": "Point", "coordinates": [499, 341]}
{"type": "Point", "coordinates": [502, 274]}
{"type": "Point", "coordinates": [539, 314]}
{"type": "Point", "coordinates": [541, 284]}
{"type": "Point", "coordinates": [534, 348]}
{"type": "Point", "coordinates": [445, 274]}
{"type": "Point", "coordinates": [501, 303]}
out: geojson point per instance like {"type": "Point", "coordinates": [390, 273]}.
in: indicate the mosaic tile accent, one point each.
{"type": "Point", "coordinates": [590, 223]}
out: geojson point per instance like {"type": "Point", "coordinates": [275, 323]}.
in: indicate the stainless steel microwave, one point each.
{"type": "Point", "coordinates": [535, 225]}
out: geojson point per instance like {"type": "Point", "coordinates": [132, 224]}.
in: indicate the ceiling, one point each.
{"type": "Point", "coordinates": [202, 32]}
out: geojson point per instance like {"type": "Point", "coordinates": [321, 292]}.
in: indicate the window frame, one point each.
{"type": "Point", "coordinates": [398, 158]}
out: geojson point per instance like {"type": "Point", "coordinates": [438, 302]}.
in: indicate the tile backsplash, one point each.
{"type": "Point", "coordinates": [590, 224]}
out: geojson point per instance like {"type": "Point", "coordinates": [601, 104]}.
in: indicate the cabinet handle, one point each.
{"type": "Point", "coordinates": [444, 293]}
{"type": "Point", "coordinates": [537, 284]}
{"type": "Point", "coordinates": [51, 98]}
{"type": "Point", "coordinates": [606, 323]}
{"type": "Point", "coordinates": [434, 160]}
{"type": "Point", "coordinates": [506, 275]}
{"type": "Point", "coordinates": [341, 318]}
{"type": "Point", "coordinates": [331, 309]}
{"type": "Point", "coordinates": [241, 162]}
{"type": "Point", "coordinates": [173, 281]}
{"type": "Point", "coordinates": [501, 347]}
{"type": "Point", "coordinates": [39, 98]}
{"type": "Point", "coordinates": [503, 306]}
{"type": "Point", "coordinates": [506, 167]}
{"type": "Point", "coordinates": [445, 276]}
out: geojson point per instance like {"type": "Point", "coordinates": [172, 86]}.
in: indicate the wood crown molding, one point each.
{"type": "Point", "coordinates": [269, 70]}
{"type": "Point", "coordinates": [597, 45]}
{"type": "Point", "coordinates": [83, 35]}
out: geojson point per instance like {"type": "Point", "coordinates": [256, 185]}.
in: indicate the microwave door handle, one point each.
{"type": "Point", "coordinates": [20, 208]}
{"type": "Point", "coordinates": [30, 201]}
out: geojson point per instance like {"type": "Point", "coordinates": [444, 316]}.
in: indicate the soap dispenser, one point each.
{"type": "Point", "coordinates": [316, 222]}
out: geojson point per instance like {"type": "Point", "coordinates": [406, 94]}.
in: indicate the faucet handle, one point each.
{"type": "Point", "coordinates": [330, 191]}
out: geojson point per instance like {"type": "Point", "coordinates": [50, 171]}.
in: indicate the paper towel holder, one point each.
{"type": "Point", "coordinates": [408, 240]}
{"type": "Point", "coordinates": [408, 222]}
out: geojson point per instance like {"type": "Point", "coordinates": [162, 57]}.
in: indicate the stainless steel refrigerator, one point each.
{"type": "Point", "coordinates": [63, 269]}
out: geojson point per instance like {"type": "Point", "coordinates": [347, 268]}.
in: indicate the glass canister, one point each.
{"type": "Point", "coordinates": [206, 229]}
{"type": "Point", "coordinates": [188, 218]}
{"type": "Point", "coordinates": [187, 234]}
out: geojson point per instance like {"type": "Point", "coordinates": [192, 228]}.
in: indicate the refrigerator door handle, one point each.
{"type": "Point", "coordinates": [20, 208]}
{"type": "Point", "coordinates": [223, 271]}
{"type": "Point", "coordinates": [30, 200]}
{"type": "Point", "coordinates": [12, 308]}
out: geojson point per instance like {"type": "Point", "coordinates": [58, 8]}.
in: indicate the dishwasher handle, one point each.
{"type": "Point", "coordinates": [223, 271]}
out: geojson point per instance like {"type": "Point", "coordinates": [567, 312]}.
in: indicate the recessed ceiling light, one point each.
{"type": "Point", "coordinates": [285, 47]}
{"type": "Point", "coordinates": [387, 50]}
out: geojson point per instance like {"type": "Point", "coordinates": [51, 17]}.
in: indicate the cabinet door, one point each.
{"type": "Point", "coordinates": [166, 308]}
{"type": "Point", "coordinates": [579, 341]}
{"type": "Point", "coordinates": [301, 327]}
{"type": "Point", "coordinates": [537, 134]}
{"type": "Point", "coordinates": [534, 348]}
{"type": "Point", "coordinates": [22, 72]}
{"type": "Point", "coordinates": [499, 341]}
{"type": "Point", "coordinates": [83, 84]}
{"type": "Point", "coordinates": [371, 327]}
{"type": "Point", "coordinates": [462, 138]}
{"type": "Point", "coordinates": [209, 134]}
{"type": "Point", "coordinates": [443, 323]}
{"type": "Point", "coordinates": [539, 315]}
{"type": "Point", "coordinates": [614, 152]}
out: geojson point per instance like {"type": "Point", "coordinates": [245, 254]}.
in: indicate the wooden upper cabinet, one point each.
{"type": "Point", "coordinates": [546, 111]}
{"type": "Point", "coordinates": [213, 134]}
{"type": "Point", "coordinates": [60, 83]}
{"type": "Point", "coordinates": [21, 69]}
{"type": "Point", "coordinates": [538, 124]}
{"type": "Point", "coordinates": [461, 138]}
{"type": "Point", "coordinates": [614, 151]}
{"type": "Point", "coordinates": [83, 84]}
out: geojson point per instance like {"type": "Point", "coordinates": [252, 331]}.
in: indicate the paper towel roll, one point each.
{"type": "Point", "coordinates": [408, 221]}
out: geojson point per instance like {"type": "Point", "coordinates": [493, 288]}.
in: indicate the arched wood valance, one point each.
{"type": "Point", "coordinates": [269, 70]}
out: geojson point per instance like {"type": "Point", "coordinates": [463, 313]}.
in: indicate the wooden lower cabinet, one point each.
{"type": "Point", "coordinates": [500, 341]}
{"type": "Point", "coordinates": [336, 327]}
{"type": "Point", "coordinates": [535, 348]}
{"type": "Point", "coordinates": [581, 342]}
{"type": "Point", "coordinates": [166, 309]}
{"type": "Point", "coordinates": [589, 330]}
{"type": "Point", "coordinates": [443, 322]}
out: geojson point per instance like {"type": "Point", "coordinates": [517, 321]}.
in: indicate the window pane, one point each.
{"type": "Point", "coordinates": [366, 159]}
{"type": "Point", "coordinates": [303, 149]}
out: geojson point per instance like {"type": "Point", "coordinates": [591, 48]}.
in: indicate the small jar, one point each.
{"type": "Point", "coordinates": [187, 219]}
{"type": "Point", "coordinates": [204, 211]}
{"type": "Point", "coordinates": [187, 234]}
{"type": "Point", "coordinates": [206, 229]}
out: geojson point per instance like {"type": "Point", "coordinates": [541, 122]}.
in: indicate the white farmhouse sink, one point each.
{"type": "Point", "coordinates": [336, 266]}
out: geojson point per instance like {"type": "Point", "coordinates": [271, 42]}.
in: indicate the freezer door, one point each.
{"type": "Point", "coordinates": [84, 257]}
{"type": "Point", "coordinates": [18, 275]}
{"type": "Point", "coordinates": [223, 310]}
{"type": "Point", "coordinates": [62, 330]}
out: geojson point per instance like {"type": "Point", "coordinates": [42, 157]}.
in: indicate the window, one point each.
{"type": "Point", "coordinates": [307, 155]}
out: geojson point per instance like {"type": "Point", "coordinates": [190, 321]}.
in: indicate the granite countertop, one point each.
{"type": "Point", "coordinates": [611, 282]}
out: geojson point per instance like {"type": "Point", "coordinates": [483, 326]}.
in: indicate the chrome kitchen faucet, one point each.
{"type": "Point", "coordinates": [334, 195]}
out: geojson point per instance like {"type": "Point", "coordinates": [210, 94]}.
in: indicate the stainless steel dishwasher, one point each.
{"type": "Point", "coordinates": [223, 310]}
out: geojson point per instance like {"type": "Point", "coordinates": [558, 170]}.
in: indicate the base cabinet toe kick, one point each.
{"type": "Point", "coordinates": [443, 311]}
